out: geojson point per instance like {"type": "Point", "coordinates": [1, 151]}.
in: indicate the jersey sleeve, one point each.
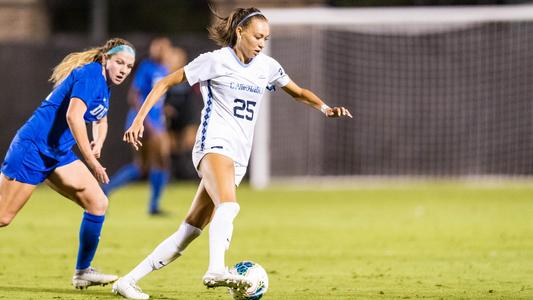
{"type": "Point", "coordinates": [140, 80]}
{"type": "Point", "coordinates": [201, 68]}
{"type": "Point", "coordinates": [278, 77]}
{"type": "Point", "coordinates": [83, 87]}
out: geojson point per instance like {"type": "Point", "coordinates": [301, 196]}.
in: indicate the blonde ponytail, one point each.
{"type": "Point", "coordinates": [78, 59]}
{"type": "Point", "coordinates": [71, 62]}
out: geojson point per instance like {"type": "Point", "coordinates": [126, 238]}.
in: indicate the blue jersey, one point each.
{"type": "Point", "coordinates": [45, 141]}
{"type": "Point", "coordinates": [147, 75]}
{"type": "Point", "coordinates": [47, 128]}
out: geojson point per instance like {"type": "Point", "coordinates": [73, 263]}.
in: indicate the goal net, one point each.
{"type": "Point", "coordinates": [434, 92]}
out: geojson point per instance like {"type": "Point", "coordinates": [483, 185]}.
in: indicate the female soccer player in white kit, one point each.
{"type": "Point", "coordinates": [233, 80]}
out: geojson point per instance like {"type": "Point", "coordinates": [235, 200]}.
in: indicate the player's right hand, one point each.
{"type": "Point", "coordinates": [99, 172]}
{"type": "Point", "coordinates": [134, 134]}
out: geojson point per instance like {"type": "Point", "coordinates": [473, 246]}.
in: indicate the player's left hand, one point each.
{"type": "Point", "coordinates": [96, 149]}
{"type": "Point", "coordinates": [337, 112]}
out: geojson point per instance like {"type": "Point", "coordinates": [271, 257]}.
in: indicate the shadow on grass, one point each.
{"type": "Point", "coordinates": [57, 291]}
{"type": "Point", "coordinates": [71, 293]}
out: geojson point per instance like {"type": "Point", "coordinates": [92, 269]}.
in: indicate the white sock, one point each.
{"type": "Point", "coordinates": [220, 232]}
{"type": "Point", "coordinates": [166, 252]}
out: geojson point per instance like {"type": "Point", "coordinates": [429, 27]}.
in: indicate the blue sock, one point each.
{"type": "Point", "coordinates": [90, 229]}
{"type": "Point", "coordinates": [126, 174]}
{"type": "Point", "coordinates": [158, 181]}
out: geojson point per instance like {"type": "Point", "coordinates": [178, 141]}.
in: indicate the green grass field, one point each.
{"type": "Point", "coordinates": [431, 241]}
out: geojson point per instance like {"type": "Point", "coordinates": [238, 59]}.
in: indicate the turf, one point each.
{"type": "Point", "coordinates": [430, 241]}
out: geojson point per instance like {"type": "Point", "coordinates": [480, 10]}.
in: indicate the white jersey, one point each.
{"type": "Point", "coordinates": [232, 93]}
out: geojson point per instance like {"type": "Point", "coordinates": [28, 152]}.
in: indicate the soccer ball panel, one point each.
{"type": "Point", "coordinates": [256, 274]}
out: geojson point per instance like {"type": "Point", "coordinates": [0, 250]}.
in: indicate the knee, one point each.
{"type": "Point", "coordinates": [98, 207]}
{"type": "Point", "coordinates": [101, 205]}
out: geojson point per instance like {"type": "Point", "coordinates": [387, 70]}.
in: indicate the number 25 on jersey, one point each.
{"type": "Point", "coordinates": [244, 109]}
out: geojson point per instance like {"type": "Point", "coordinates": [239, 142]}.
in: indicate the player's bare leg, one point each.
{"type": "Point", "coordinates": [218, 176]}
{"type": "Point", "coordinates": [77, 183]}
{"type": "Point", "coordinates": [170, 249]}
{"type": "Point", "coordinates": [13, 196]}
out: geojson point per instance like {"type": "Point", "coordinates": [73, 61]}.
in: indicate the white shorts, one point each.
{"type": "Point", "coordinates": [240, 170]}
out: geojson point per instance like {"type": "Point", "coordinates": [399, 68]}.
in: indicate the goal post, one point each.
{"type": "Point", "coordinates": [435, 91]}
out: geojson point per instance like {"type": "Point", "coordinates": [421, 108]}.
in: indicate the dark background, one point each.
{"type": "Point", "coordinates": [27, 65]}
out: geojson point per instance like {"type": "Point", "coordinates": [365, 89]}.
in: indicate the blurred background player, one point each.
{"type": "Point", "coordinates": [42, 148]}
{"type": "Point", "coordinates": [154, 159]}
{"type": "Point", "coordinates": [233, 80]}
{"type": "Point", "coordinates": [183, 105]}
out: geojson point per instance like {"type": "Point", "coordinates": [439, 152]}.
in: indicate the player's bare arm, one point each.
{"type": "Point", "coordinates": [75, 112]}
{"type": "Point", "coordinates": [134, 133]}
{"type": "Point", "coordinates": [309, 98]}
{"type": "Point", "coordinates": [99, 129]}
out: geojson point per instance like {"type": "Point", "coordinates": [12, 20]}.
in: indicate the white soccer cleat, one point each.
{"type": "Point", "coordinates": [89, 277]}
{"type": "Point", "coordinates": [129, 290]}
{"type": "Point", "coordinates": [237, 282]}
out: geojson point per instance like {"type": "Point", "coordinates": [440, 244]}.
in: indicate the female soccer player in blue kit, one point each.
{"type": "Point", "coordinates": [42, 148]}
{"type": "Point", "coordinates": [154, 158]}
{"type": "Point", "coordinates": [232, 80]}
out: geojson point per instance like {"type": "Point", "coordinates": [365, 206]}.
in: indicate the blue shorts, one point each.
{"type": "Point", "coordinates": [156, 122]}
{"type": "Point", "coordinates": [25, 163]}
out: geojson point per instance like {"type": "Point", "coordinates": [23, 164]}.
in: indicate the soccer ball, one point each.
{"type": "Point", "coordinates": [256, 274]}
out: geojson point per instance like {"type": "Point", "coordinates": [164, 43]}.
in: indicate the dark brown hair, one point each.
{"type": "Point", "coordinates": [222, 31]}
